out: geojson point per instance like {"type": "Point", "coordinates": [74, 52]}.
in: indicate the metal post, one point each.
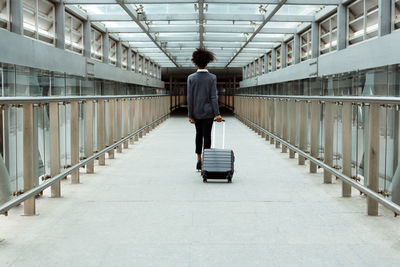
{"type": "Point", "coordinates": [328, 151]}
{"type": "Point", "coordinates": [119, 54]}
{"type": "Point", "coordinates": [262, 116]}
{"type": "Point", "coordinates": [296, 48]}
{"type": "Point", "coordinates": [101, 130]}
{"type": "Point", "coordinates": [119, 124]}
{"type": "Point", "coordinates": [60, 25]}
{"type": "Point", "coordinates": [89, 134]}
{"type": "Point", "coordinates": [284, 123]}
{"type": "Point", "coordinates": [314, 39]}
{"type": "Point", "coordinates": [273, 59]}
{"type": "Point", "coordinates": [28, 154]}
{"type": "Point", "coordinates": [293, 113]}
{"type": "Point", "coordinates": [341, 27]}
{"type": "Point", "coordinates": [272, 119]}
{"type": "Point", "coordinates": [346, 145]}
{"type": "Point", "coordinates": [106, 48]}
{"type": "Point", "coordinates": [373, 155]}
{"type": "Point", "coordinates": [87, 39]}
{"type": "Point", "coordinates": [303, 131]}
{"type": "Point", "coordinates": [137, 62]}
{"type": "Point", "coordinates": [75, 140]}
{"type": "Point", "coordinates": [141, 116]}
{"type": "Point", "coordinates": [17, 17]}
{"type": "Point", "coordinates": [314, 133]}
{"type": "Point", "coordinates": [137, 117]}
{"type": "Point", "coordinates": [131, 118]}
{"type": "Point", "coordinates": [111, 110]}
{"type": "Point", "coordinates": [129, 59]}
{"type": "Point", "coordinates": [266, 118]}
{"type": "Point", "coordinates": [283, 55]}
{"type": "Point", "coordinates": [126, 117]}
{"type": "Point", "coordinates": [54, 148]}
{"type": "Point", "coordinates": [278, 118]}
{"type": "Point", "coordinates": [384, 17]}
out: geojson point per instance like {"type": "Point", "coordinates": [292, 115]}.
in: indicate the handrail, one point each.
{"type": "Point", "coordinates": [46, 99]}
{"type": "Point", "coordinates": [388, 204]}
{"type": "Point", "coordinates": [354, 99]}
{"type": "Point", "coordinates": [34, 191]}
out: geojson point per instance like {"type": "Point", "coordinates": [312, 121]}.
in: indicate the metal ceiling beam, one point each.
{"type": "Point", "coordinates": [216, 17]}
{"type": "Point", "coordinates": [201, 22]}
{"type": "Point", "coordinates": [289, 2]}
{"type": "Point", "coordinates": [133, 14]}
{"type": "Point", "coordinates": [267, 19]}
{"type": "Point", "coordinates": [208, 44]}
{"type": "Point", "coordinates": [206, 38]}
{"type": "Point", "coordinates": [207, 28]}
{"type": "Point", "coordinates": [191, 49]}
{"type": "Point", "coordinates": [195, 16]}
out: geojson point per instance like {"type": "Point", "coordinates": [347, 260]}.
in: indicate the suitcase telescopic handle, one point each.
{"type": "Point", "coordinates": [223, 135]}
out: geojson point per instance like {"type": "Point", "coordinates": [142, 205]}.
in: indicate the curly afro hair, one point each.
{"type": "Point", "coordinates": [201, 57]}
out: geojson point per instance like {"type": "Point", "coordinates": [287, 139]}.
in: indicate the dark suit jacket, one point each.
{"type": "Point", "coordinates": [202, 96]}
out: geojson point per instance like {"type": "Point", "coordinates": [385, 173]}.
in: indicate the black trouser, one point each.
{"type": "Point", "coordinates": [203, 130]}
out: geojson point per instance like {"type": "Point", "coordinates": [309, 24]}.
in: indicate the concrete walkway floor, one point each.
{"type": "Point", "coordinates": [149, 207]}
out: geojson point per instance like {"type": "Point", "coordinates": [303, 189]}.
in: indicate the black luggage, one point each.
{"type": "Point", "coordinates": [218, 163]}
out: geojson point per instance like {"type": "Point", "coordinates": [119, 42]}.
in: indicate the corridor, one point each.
{"type": "Point", "coordinates": [149, 207]}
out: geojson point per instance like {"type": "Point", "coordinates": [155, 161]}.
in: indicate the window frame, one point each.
{"type": "Point", "coordinates": [75, 47]}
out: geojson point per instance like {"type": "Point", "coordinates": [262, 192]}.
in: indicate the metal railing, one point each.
{"type": "Point", "coordinates": [96, 125]}
{"type": "Point", "coordinates": [355, 139]}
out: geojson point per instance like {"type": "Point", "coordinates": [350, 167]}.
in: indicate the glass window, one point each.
{"type": "Point", "coordinates": [96, 40]}
{"type": "Point", "coordinates": [73, 33]}
{"type": "Point", "coordinates": [278, 58]}
{"type": "Point", "coordinates": [39, 20]}
{"type": "Point", "coordinates": [113, 52]}
{"type": "Point", "coordinates": [396, 14]}
{"type": "Point", "coordinates": [5, 14]}
{"type": "Point", "coordinates": [269, 56]}
{"type": "Point", "coordinates": [305, 45]}
{"type": "Point", "coordinates": [362, 23]}
{"type": "Point", "coordinates": [124, 57]}
{"type": "Point", "coordinates": [289, 55]}
{"type": "Point", "coordinates": [328, 35]}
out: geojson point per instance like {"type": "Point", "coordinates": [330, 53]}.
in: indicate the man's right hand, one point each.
{"type": "Point", "coordinates": [218, 118]}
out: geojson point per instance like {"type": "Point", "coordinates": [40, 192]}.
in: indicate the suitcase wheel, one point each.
{"type": "Point", "coordinates": [229, 180]}
{"type": "Point", "coordinates": [204, 180]}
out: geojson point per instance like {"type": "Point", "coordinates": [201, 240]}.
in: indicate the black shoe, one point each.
{"type": "Point", "coordinates": [198, 166]}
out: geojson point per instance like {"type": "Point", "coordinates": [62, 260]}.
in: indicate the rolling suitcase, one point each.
{"type": "Point", "coordinates": [218, 163]}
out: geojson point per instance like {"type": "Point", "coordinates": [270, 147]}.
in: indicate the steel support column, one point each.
{"type": "Point", "coordinates": [101, 130]}
{"type": "Point", "coordinates": [17, 16]}
{"type": "Point", "coordinates": [89, 134]}
{"type": "Point", "coordinates": [54, 148]}
{"type": "Point", "coordinates": [346, 145]}
{"type": "Point", "coordinates": [111, 110]}
{"type": "Point", "coordinates": [75, 140]}
{"type": "Point", "coordinates": [328, 151]}
{"type": "Point", "coordinates": [28, 154]}
{"type": "Point", "coordinates": [106, 48]}
{"type": "Point", "coordinates": [60, 25]}
{"type": "Point", "coordinates": [373, 155]}
{"type": "Point", "coordinates": [293, 113]}
{"type": "Point", "coordinates": [303, 130]}
{"type": "Point", "coordinates": [314, 133]}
